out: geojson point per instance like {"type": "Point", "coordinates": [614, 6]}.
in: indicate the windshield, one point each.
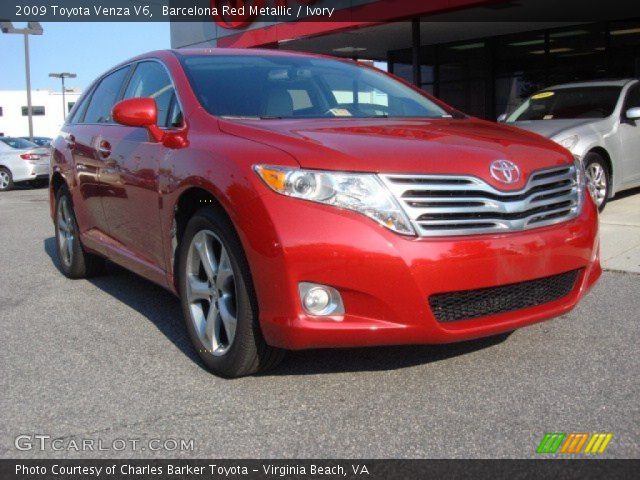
{"type": "Point", "coordinates": [18, 143]}
{"type": "Point", "coordinates": [298, 87]}
{"type": "Point", "coordinates": [568, 103]}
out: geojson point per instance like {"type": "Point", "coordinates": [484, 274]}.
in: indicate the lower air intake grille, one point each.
{"type": "Point", "coordinates": [468, 304]}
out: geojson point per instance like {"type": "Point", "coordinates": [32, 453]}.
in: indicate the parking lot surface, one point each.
{"type": "Point", "coordinates": [109, 359]}
{"type": "Point", "coordinates": [620, 233]}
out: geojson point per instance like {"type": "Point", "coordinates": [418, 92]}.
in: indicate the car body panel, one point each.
{"type": "Point", "coordinates": [126, 211]}
{"type": "Point", "coordinates": [431, 145]}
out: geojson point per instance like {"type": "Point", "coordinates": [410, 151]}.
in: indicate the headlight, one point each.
{"type": "Point", "coordinates": [360, 192]}
{"type": "Point", "coordinates": [569, 142]}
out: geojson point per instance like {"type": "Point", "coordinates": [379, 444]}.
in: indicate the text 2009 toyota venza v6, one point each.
{"type": "Point", "coordinates": [296, 201]}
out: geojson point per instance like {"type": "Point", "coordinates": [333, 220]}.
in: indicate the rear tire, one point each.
{"type": "Point", "coordinates": [75, 262]}
{"type": "Point", "coordinates": [218, 299]}
{"type": "Point", "coordinates": [598, 178]}
{"type": "Point", "coordinates": [6, 179]}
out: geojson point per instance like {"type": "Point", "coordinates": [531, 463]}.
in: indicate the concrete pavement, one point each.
{"type": "Point", "coordinates": [620, 233]}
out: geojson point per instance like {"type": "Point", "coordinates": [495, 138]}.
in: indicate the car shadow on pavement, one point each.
{"type": "Point", "coordinates": [625, 194]}
{"type": "Point", "coordinates": [150, 300]}
{"type": "Point", "coordinates": [342, 360]}
{"type": "Point", "coordinates": [163, 310]}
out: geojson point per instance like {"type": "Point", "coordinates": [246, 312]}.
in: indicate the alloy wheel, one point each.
{"type": "Point", "coordinates": [66, 231]}
{"type": "Point", "coordinates": [4, 180]}
{"type": "Point", "coordinates": [211, 292]}
{"type": "Point", "coordinates": [597, 179]}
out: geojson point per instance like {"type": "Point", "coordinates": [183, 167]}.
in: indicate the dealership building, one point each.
{"type": "Point", "coordinates": [480, 56]}
{"type": "Point", "coordinates": [48, 109]}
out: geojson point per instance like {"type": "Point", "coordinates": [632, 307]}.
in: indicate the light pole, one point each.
{"type": "Point", "coordinates": [62, 76]}
{"type": "Point", "coordinates": [33, 28]}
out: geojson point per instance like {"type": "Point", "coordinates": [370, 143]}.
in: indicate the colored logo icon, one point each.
{"type": "Point", "coordinates": [574, 443]}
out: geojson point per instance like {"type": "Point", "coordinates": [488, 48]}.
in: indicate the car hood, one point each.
{"type": "Point", "coordinates": [425, 146]}
{"type": "Point", "coordinates": [551, 128]}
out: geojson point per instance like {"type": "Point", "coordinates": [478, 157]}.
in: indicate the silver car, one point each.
{"type": "Point", "coordinates": [22, 161]}
{"type": "Point", "coordinates": [599, 122]}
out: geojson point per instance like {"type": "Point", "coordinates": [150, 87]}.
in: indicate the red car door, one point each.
{"type": "Point", "coordinates": [131, 197]}
{"type": "Point", "coordinates": [131, 200]}
{"type": "Point", "coordinates": [83, 139]}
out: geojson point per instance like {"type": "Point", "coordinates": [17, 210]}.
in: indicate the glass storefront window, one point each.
{"type": "Point", "coordinates": [490, 76]}
{"type": "Point", "coordinates": [624, 42]}
{"type": "Point", "coordinates": [576, 53]}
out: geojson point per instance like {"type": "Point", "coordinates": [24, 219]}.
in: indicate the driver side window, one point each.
{"type": "Point", "coordinates": [150, 79]}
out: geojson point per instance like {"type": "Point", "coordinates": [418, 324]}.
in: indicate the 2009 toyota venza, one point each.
{"type": "Point", "coordinates": [296, 201]}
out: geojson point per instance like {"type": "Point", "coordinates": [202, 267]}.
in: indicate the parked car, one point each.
{"type": "Point", "coordinates": [296, 201]}
{"type": "Point", "coordinates": [40, 141]}
{"type": "Point", "coordinates": [22, 161]}
{"type": "Point", "coordinates": [599, 122]}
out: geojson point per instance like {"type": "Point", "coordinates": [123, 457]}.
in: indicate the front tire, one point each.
{"type": "Point", "coordinates": [74, 261]}
{"type": "Point", "coordinates": [218, 300]}
{"type": "Point", "coordinates": [598, 178]}
{"type": "Point", "coordinates": [6, 179]}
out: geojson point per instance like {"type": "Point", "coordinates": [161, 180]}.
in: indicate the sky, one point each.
{"type": "Point", "coordinates": [86, 49]}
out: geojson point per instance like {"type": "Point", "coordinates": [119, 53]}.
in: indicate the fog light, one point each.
{"type": "Point", "coordinates": [320, 300]}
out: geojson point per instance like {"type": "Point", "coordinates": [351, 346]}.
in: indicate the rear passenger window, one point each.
{"type": "Point", "coordinates": [150, 79]}
{"type": "Point", "coordinates": [105, 96]}
{"type": "Point", "coordinates": [77, 113]}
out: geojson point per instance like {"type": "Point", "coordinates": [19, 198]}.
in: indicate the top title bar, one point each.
{"type": "Point", "coordinates": [239, 14]}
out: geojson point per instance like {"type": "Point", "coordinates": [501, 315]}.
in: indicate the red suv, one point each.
{"type": "Point", "coordinates": [296, 201]}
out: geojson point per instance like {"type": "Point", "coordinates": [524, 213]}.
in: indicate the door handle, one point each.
{"type": "Point", "coordinates": [104, 149]}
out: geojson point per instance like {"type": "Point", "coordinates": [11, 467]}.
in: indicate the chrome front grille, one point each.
{"type": "Point", "coordinates": [440, 205]}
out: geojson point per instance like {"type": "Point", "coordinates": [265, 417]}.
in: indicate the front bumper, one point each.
{"type": "Point", "coordinates": [386, 279]}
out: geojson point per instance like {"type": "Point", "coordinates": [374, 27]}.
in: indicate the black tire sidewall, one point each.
{"type": "Point", "coordinates": [11, 184]}
{"type": "Point", "coordinates": [590, 159]}
{"type": "Point", "coordinates": [77, 268]}
{"type": "Point", "coordinates": [238, 360]}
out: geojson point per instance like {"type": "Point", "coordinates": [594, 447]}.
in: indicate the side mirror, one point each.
{"type": "Point", "coordinates": [502, 118]}
{"type": "Point", "coordinates": [633, 113]}
{"type": "Point", "coordinates": [139, 112]}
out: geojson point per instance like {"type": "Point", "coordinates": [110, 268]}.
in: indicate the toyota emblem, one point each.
{"type": "Point", "coordinates": [505, 171]}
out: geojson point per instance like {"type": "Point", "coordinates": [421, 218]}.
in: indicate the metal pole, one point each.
{"type": "Point", "coordinates": [28, 72]}
{"type": "Point", "coordinates": [415, 52]}
{"type": "Point", "coordinates": [64, 104]}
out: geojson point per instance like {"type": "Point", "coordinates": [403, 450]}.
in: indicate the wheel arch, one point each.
{"type": "Point", "coordinates": [187, 204]}
{"type": "Point", "coordinates": [609, 164]}
{"type": "Point", "coordinates": [57, 181]}
{"type": "Point", "coordinates": [55, 184]}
